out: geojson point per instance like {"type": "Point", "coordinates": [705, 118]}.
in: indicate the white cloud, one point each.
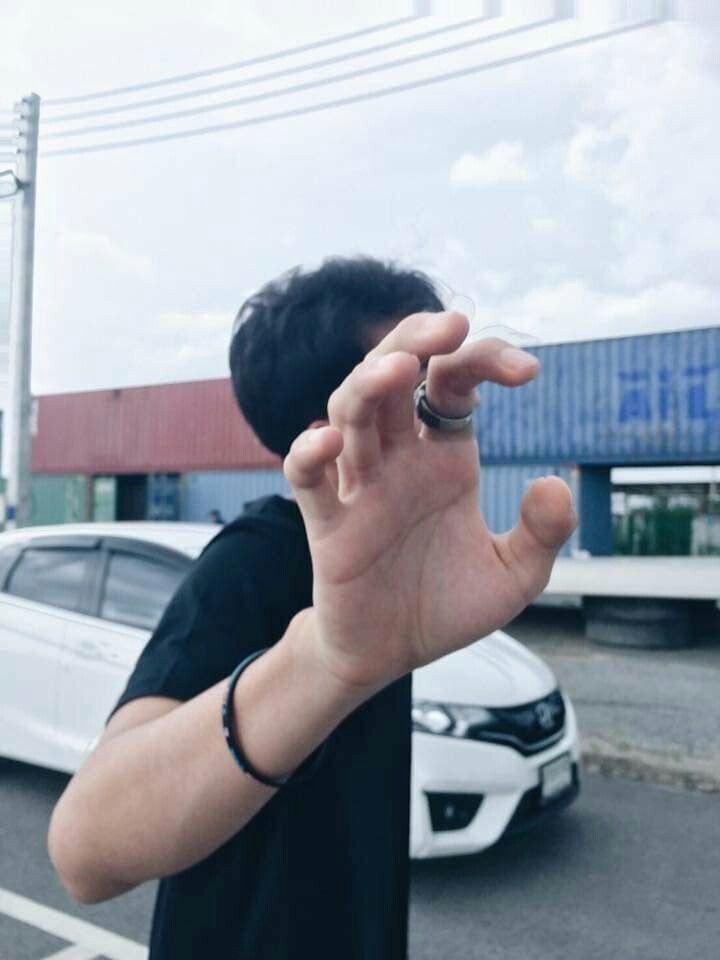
{"type": "Point", "coordinates": [196, 323]}
{"type": "Point", "coordinates": [545, 226]}
{"type": "Point", "coordinates": [494, 281]}
{"type": "Point", "coordinates": [572, 310]}
{"type": "Point", "coordinates": [593, 154]}
{"type": "Point", "coordinates": [648, 144]}
{"type": "Point", "coordinates": [196, 337]}
{"type": "Point", "coordinates": [456, 249]}
{"type": "Point", "coordinates": [101, 248]}
{"type": "Point", "coordinates": [502, 163]}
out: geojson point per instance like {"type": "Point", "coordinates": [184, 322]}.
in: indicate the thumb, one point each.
{"type": "Point", "coordinates": [546, 521]}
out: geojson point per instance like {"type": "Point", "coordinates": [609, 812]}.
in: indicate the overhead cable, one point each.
{"type": "Point", "coordinates": [301, 87]}
{"type": "Point", "coordinates": [356, 98]}
{"type": "Point", "coordinates": [271, 75]}
{"type": "Point", "coordinates": [226, 68]}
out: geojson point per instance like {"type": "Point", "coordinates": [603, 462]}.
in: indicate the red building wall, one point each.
{"type": "Point", "coordinates": [166, 428]}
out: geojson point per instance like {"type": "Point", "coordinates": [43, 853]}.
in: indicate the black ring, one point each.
{"type": "Point", "coordinates": [304, 772]}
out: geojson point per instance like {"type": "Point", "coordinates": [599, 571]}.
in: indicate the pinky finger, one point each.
{"type": "Point", "coordinates": [306, 469]}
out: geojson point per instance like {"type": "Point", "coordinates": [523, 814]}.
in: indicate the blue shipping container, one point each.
{"type": "Point", "coordinates": [226, 491]}
{"type": "Point", "coordinates": [645, 399]}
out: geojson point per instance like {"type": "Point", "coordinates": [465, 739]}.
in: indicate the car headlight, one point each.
{"type": "Point", "coordinates": [447, 719]}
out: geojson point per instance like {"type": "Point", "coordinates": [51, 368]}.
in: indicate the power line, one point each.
{"type": "Point", "coordinates": [300, 87]}
{"type": "Point", "coordinates": [357, 98]}
{"type": "Point", "coordinates": [272, 75]}
{"type": "Point", "coordinates": [239, 64]}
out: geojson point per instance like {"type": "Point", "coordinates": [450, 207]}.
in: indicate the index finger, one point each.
{"type": "Point", "coordinates": [425, 335]}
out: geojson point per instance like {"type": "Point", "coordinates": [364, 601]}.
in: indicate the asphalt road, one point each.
{"type": "Point", "coordinates": [629, 872]}
{"type": "Point", "coordinates": [657, 710]}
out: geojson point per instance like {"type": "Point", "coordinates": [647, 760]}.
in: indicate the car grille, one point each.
{"type": "Point", "coordinates": [528, 728]}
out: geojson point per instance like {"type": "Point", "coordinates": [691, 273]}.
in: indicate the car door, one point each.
{"type": "Point", "coordinates": [47, 580]}
{"type": "Point", "coordinates": [135, 582]}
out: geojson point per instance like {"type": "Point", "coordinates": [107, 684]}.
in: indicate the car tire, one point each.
{"type": "Point", "coordinates": [631, 622]}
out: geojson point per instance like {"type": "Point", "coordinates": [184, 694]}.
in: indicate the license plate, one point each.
{"type": "Point", "coordinates": [555, 777]}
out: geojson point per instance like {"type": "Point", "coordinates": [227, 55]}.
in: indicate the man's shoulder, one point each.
{"type": "Point", "coordinates": [268, 520]}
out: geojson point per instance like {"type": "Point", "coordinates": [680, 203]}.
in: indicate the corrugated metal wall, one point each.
{"type": "Point", "coordinates": [646, 399]}
{"type": "Point", "coordinates": [167, 428]}
{"type": "Point", "coordinates": [502, 487]}
{"type": "Point", "coordinates": [226, 491]}
{"type": "Point", "coordinates": [59, 499]}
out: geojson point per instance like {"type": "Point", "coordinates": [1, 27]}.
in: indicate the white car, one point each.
{"type": "Point", "coordinates": [495, 743]}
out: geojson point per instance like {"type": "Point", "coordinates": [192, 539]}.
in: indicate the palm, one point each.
{"type": "Point", "coordinates": [405, 569]}
{"type": "Point", "coordinates": [412, 572]}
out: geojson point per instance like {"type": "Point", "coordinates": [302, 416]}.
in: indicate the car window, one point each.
{"type": "Point", "coordinates": [137, 589]}
{"type": "Point", "coordinates": [55, 576]}
{"type": "Point", "coordinates": [8, 556]}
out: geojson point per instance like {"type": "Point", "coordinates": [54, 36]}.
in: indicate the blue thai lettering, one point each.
{"type": "Point", "coordinates": [698, 401]}
{"type": "Point", "coordinates": [635, 399]}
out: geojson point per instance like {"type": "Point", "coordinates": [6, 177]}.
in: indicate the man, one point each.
{"type": "Point", "coordinates": [381, 564]}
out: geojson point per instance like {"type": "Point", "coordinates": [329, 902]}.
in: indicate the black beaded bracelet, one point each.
{"type": "Point", "coordinates": [304, 772]}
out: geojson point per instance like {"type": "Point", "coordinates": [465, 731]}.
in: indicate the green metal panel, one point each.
{"type": "Point", "coordinates": [58, 498]}
{"type": "Point", "coordinates": [104, 498]}
{"type": "Point", "coordinates": [666, 520]}
{"type": "Point", "coordinates": [657, 532]}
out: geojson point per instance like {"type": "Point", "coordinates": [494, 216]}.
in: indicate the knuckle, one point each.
{"type": "Point", "coordinates": [494, 344]}
{"type": "Point", "coordinates": [335, 404]}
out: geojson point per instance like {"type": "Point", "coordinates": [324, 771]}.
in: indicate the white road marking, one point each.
{"type": "Point", "coordinates": [66, 927]}
{"type": "Point", "coordinates": [73, 953]}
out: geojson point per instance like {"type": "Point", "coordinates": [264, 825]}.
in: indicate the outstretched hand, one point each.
{"type": "Point", "coordinates": [405, 569]}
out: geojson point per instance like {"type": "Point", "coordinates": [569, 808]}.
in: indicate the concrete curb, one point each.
{"type": "Point", "coordinates": [628, 762]}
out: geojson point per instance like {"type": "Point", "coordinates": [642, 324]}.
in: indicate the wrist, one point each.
{"type": "Point", "coordinates": [341, 690]}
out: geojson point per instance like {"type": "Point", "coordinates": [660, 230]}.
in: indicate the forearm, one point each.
{"type": "Point", "coordinates": [159, 797]}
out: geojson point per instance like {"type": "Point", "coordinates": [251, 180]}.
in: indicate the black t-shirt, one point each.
{"type": "Point", "coordinates": [322, 870]}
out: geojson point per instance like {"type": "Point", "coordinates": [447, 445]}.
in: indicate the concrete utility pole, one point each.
{"type": "Point", "coordinates": [16, 422]}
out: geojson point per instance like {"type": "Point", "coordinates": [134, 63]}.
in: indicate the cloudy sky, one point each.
{"type": "Point", "coordinates": [571, 196]}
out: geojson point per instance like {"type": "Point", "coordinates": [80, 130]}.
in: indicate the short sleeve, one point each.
{"type": "Point", "coordinates": [238, 597]}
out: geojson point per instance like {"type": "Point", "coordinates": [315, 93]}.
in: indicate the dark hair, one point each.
{"type": "Point", "coordinates": [297, 338]}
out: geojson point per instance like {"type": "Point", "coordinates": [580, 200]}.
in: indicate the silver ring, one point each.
{"type": "Point", "coordinates": [438, 421]}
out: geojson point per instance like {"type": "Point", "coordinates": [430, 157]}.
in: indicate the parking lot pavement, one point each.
{"type": "Point", "coordinates": [649, 715]}
{"type": "Point", "coordinates": [30, 925]}
{"type": "Point", "coordinates": [629, 871]}
{"type": "Point", "coordinates": [38, 919]}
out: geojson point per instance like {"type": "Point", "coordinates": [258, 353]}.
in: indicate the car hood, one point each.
{"type": "Point", "coordinates": [496, 671]}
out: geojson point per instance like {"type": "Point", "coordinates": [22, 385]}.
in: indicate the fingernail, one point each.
{"type": "Point", "coordinates": [516, 359]}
